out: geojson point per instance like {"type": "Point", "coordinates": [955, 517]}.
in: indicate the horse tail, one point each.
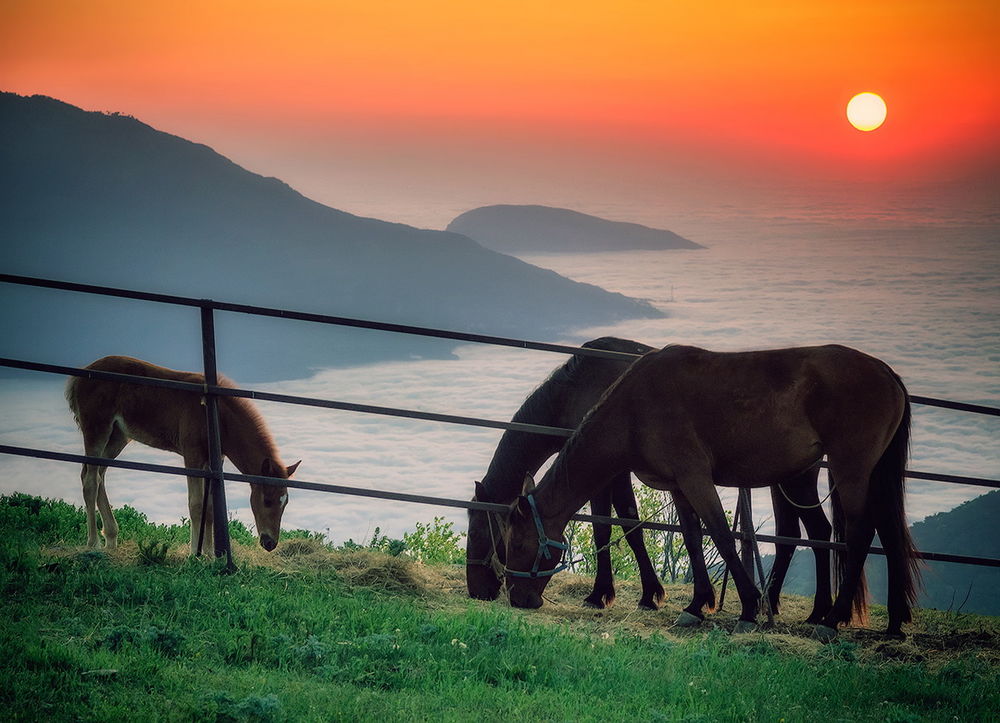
{"type": "Point", "coordinates": [859, 604]}
{"type": "Point", "coordinates": [887, 496]}
{"type": "Point", "coordinates": [72, 399]}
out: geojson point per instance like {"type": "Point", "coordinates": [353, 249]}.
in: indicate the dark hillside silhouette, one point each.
{"type": "Point", "coordinates": [969, 529]}
{"type": "Point", "coordinates": [105, 199]}
{"type": "Point", "coordinates": [542, 229]}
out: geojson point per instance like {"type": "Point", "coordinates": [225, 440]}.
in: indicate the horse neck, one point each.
{"type": "Point", "coordinates": [585, 467]}
{"type": "Point", "coordinates": [245, 439]}
{"type": "Point", "coordinates": [518, 454]}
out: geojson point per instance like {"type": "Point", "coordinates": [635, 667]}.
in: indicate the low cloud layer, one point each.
{"type": "Point", "coordinates": [925, 305]}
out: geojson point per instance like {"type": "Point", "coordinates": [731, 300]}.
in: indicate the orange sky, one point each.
{"type": "Point", "coordinates": [737, 87]}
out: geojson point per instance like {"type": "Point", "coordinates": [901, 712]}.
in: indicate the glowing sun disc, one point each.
{"type": "Point", "coordinates": [866, 111]}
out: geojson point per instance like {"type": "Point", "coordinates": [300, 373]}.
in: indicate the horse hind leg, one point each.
{"type": "Point", "coordinates": [112, 448]}
{"type": "Point", "coordinates": [855, 525]}
{"type": "Point", "coordinates": [801, 504]}
{"type": "Point", "coordinates": [786, 524]}
{"type": "Point", "coordinates": [90, 479]}
{"type": "Point", "coordinates": [818, 528]}
{"type": "Point", "coordinates": [96, 439]}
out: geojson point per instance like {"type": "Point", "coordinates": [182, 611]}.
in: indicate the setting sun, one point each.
{"type": "Point", "coordinates": [866, 111]}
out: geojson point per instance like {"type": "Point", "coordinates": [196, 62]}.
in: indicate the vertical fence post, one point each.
{"type": "Point", "coordinates": [746, 528]}
{"type": "Point", "coordinates": [220, 515]}
{"type": "Point", "coordinates": [751, 550]}
{"type": "Point", "coordinates": [725, 574]}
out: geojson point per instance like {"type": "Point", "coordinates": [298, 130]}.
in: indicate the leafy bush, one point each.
{"type": "Point", "coordinates": [379, 542]}
{"type": "Point", "coordinates": [435, 543]}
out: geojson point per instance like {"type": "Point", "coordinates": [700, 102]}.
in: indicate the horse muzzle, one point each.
{"type": "Point", "coordinates": [520, 597]}
{"type": "Point", "coordinates": [481, 582]}
{"type": "Point", "coordinates": [268, 542]}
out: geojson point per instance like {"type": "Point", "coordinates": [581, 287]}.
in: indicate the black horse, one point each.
{"type": "Point", "coordinates": [562, 401]}
{"type": "Point", "coordinates": [685, 419]}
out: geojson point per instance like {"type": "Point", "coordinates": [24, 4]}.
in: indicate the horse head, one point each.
{"type": "Point", "coordinates": [484, 552]}
{"type": "Point", "coordinates": [533, 553]}
{"type": "Point", "coordinates": [268, 502]}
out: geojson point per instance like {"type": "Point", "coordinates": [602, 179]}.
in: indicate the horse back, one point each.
{"type": "Point", "coordinates": [755, 417]}
{"type": "Point", "coordinates": [167, 419]}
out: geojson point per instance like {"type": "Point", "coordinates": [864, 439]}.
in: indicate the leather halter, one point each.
{"type": "Point", "coordinates": [544, 543]}
{"type": "Point", "coordinates": [491, 560]}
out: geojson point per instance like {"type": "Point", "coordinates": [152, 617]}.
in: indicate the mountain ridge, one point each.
{"type": "Point", "coordinates": [106, 199]}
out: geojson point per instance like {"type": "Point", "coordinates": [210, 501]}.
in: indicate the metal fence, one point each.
{"type": "Point", "coordinates": [211, 391]}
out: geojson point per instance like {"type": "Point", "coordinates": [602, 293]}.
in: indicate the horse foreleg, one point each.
{"type": "Point", "coordinates": [704, 594]}
{"type": "Point", "coordinates": [699, 489]}
{"type": "Point", "coordinates": [603, 594]}
{"type": "Point", "coordinates": [623, 499]}
{"type": "Point", "coordinates": [201, 516]}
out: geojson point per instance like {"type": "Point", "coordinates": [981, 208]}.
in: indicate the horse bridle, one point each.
{"type": "Point", "coordinates": [491, 561]}
{"type": "Point", "coordinates": [544, 543]}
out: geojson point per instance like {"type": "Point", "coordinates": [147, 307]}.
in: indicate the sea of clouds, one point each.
{"type": "Point", "coordinates": [922, 299]}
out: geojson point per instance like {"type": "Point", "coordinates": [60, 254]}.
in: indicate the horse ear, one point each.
{"type": "Point", "coordinates": [480, 491]}
{"type": "Point", "coordinates": [522, 506]}
{"type": "Point", "coordinates": [267, 468]}
{"type": "Point", "coordinates": [529, 485]}
{"type": "Point", "coordinates": [291, 470]}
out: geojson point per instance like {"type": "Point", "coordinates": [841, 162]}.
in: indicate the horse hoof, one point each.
{"type": "Point", "coordinates": [744, 626]}
{"type": "Point", "coordinates": [825, 633]}
{"type": "Point", "coordinates": [687, 620]}
{"type": "Point", "coordinates": [592, 605]}
{"type": "Point", "coordinates": [647, 606]}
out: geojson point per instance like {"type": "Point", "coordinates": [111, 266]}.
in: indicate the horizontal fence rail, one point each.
{"type": "Point", "coordinates": [383, 326]}
{"type": "Point", "coordinates": [372, 409]}
{"type": "Point", "coordinates": [214, 391]}
{"type": "Point", "coordinates": [448, 502]}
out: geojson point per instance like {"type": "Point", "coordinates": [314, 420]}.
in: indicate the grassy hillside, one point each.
{"type": "Point", "coordinates": [309, 633]}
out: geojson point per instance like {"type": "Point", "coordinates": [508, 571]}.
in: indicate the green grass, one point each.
{"type": "Point", "coordinates": [361, 636]}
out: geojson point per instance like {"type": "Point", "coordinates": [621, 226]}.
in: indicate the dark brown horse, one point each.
{"type": "Point", "coordinates": [562, 400]}
{"type": "Point", "coordinates": [685, 419]}
{"type": "Point", "coordinates": [110, 414]}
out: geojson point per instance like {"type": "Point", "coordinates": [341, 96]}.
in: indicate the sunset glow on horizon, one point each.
{"type": "Point", "coordinates": [763, 88]}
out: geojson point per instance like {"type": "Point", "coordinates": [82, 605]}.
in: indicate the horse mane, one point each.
{"type": "Point", "coordinates": [544, 401]}
{"type": "Point", "coordinates": [546, 404]}
{"type": "Point", "coordinates": [612, 344]}
{"type": "Point", "coordinates": [241, 407]}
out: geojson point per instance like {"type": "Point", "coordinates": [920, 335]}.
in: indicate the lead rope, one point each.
{"type": "Point", "coordinates": [793, 503]}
